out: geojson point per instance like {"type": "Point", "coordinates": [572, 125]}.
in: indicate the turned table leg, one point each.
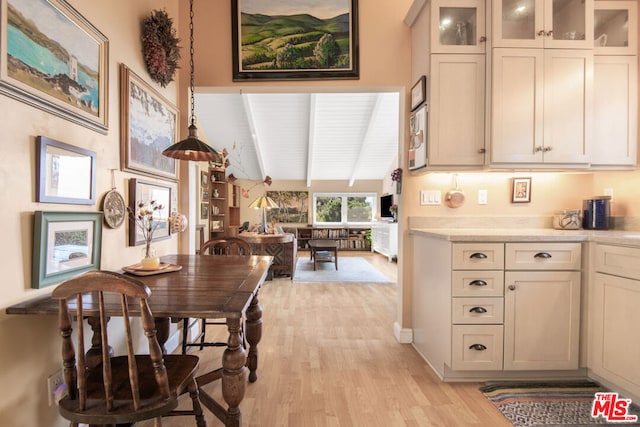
{"type": "Point", "coordinates": [254, 334]}
{"type": "Point", "coordinates": [234, 360]}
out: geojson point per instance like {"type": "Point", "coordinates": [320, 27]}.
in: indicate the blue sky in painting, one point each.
{"type": "Point", "coordinates": [59, 28]}
{"type": "Point", "coordinates": [321, 9]}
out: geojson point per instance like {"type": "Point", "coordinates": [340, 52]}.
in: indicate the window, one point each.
{"type": "Point", "coordinates": [343, 208]}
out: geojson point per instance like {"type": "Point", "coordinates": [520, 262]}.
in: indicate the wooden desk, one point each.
{"type": "Point", "coordinates": [320, 245]}
{"type": "Point", "coordinates": [282, 247]}
{"type": "Point", "coordinates": [206, 287]}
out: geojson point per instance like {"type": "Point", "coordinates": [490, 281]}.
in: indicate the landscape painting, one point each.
{"type": "Point", "coordinates": [293, 206]}
{"type": "Point", "coordinates": [54, 60]}
{"type": "Point", "coordinates": [295, 39]}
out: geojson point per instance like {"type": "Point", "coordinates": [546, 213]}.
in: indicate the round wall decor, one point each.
{"type": "Point", "coordinates": [160, 47]}
{"type": "Point", "coordinates": [114, 209]}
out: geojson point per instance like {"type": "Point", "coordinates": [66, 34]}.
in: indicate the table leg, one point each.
{"type": "Point", "coordinates": [163, 325]}
{"type": "Point", "coordinates": [94, 354]}
{"type": "Point", "coordinates": [335, 257]}
{"type": "Point", "coordinates": [234, 360]}
{"type": "Point", "coordinates": [254, 334]}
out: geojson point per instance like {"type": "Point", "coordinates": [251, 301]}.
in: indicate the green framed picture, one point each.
{"type": "Point", "coordinates": [65, 244]}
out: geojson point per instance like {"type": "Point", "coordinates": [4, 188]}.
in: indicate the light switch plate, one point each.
{"type": "Point", "coordinates": [430, 197]}
{"type": "Point", "coordinates": [482, 197]}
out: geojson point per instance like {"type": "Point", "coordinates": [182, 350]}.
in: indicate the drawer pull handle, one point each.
{"type": "Point", "coordinates": [478, 347]}
{"type": "Point", "coordinates": [544, 255]}
{"type": "Point", "coordinates": [477, 310]}
{"type": "Point", "coordinates": [478, 255]}
{"type": "Point", "coordinates": [478, 283]}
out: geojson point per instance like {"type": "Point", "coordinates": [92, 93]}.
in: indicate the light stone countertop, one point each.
{"type": "Point", "coordinates": [614, 237]}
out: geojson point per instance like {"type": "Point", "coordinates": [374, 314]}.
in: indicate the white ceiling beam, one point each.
{"type": "Point", "coordinates": [365, 140]}
{"type": "Point", "coordinates": [248, 111]}
{"type": "Point", "coordinates": [312, 135]}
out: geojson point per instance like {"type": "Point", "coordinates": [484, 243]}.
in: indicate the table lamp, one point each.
{"type": "Point", "coordinates": [263, 202]}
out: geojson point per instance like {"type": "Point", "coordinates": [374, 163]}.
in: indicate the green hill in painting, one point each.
{"type": "Point", "coordinates": [290, 42]}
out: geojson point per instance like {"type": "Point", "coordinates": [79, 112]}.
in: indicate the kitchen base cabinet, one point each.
{"type": "Point", "coordinates": [614, 298]}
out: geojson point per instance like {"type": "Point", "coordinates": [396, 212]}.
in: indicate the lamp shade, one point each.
{"type": "Point", "coordinates": [263, 202]}
{"type": "Point", "coordinates": [193, 149]}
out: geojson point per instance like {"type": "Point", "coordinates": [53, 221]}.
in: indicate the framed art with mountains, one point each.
{"type": "Point", "coordinates": [295, 39]}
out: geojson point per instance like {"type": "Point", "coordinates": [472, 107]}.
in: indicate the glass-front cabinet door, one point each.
{"type": "Point", "coordinates": [543, 23]}
{"type": "Point", "coordinates": [615, 30]}
{"type": "Point", "coordinates": [458, 26]}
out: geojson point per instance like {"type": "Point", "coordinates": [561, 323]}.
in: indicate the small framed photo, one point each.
{"type": "Point", "coordinates": [217, 225]}
{"type": "Point", "coordinates": [65, 244]}
{"type": "Point", "coordinates": [205, 195]}
{"type": "Point", "coordinates": [141, 191]}
{"type": "Point", "coordinates": [419, 93]}
{"type": "Point", "coordinates": [521, 190]}
{"type": "Point", "coordinates": [64, 173]}
{"type": "Point", "coordinates": [204, 179]}
{"type": "Point", "coordinates": [204, 211]}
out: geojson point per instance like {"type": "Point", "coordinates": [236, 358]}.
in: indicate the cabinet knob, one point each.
{"type": "Point", "coordinates": [541, 33]}
{"type": "Point", "coordinates": [547, 149]}
{"type": "Point", "coordinates": [538, 149]}
{"type": "Point", "coordinates": [482, 39]}
{"type": "Point", "coordinates": [478, 283]}
{"type": "Point", "coordinates": [512, 287]}
{"type": "Point", "coordinates": [479, 310]}
{"type": "Point", "coordinates": [478, 347]}
{"type": "Point", "coordinates": [478, 255]}
{"type": "Point", "coordinates": [482, 150]}
{"type": "Point", "coordinates": [543, 255]}
{"type": "Point", "coordinates": [550, 33]}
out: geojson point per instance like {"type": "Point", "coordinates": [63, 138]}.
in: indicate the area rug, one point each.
{"type": "Point", "coordinates": [350, 269]}
{"type": "Point", "coordinates": [528, 404]}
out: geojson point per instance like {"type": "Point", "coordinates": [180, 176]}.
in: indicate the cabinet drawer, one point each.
{"type": "Point", "coordinates": [543, 256]}
{"type": "Point", "coordinates": [477, 283]}
{"type": "Point", "coordinates": [477, 347]}
{"type": "Point", "coordinates": [478, 256]}
{"type": "Point", "coordinates": [478, 311]}
{"type": "Point", "coordinates": [618, 260]}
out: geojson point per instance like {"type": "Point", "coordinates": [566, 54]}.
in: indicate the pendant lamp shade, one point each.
{"type": "Point", "coordinates": [192, 148]}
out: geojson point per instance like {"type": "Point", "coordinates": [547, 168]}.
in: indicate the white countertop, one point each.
{"type": "Point", "coordinates": [615, 237]}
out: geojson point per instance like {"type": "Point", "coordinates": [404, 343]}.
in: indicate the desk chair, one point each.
{"type": "Point", "coordinates": [108, 390]}
{"type": "Point", "coordinates": [223, 246]}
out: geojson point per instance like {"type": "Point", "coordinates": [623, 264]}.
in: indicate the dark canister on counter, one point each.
{"type": "Point", "coordinates": [596, 211]}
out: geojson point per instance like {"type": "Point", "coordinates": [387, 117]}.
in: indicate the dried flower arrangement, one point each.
{"type": "Point", "coordinates": [160, 47]}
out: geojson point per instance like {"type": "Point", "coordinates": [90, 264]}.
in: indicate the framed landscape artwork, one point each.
{"type": "Point", "coordinates": [53, 58]}
{"type": "Point", "coordinates": [295, 39]}
{"type": "Point", "coordinates": [293, 206]}
{"type": "Point", "coordinates": [141, 191]}
{"type": "Point", "coordinates": [148, 125]}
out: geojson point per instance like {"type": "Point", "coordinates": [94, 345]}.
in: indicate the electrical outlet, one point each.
{"type": "Point", "coordinates": [56, 387]}
{"type": "Point", "coordinates": [482, 197]}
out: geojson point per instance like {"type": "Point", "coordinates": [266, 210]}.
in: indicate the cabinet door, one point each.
{"type": "Point", "coordinates": [614, 320]}
{"type": "Point", "coordinates": [615, 104]}
{"type": "Point", "coordinates": [615, 28]}
{"type": "Point", "coordinates": [458, 26]}
{"type": "Point", "coordinates": [568, 24]}
{"type": "Point", "coordinates": [517, 23]}
{"type": "Point", "coordinates": [456, 110]}
{"type": "Point", "coordinates": [517, 106]}
{"type": "Point", "coordinates": [568, 101]}
{"type": "Point", "coordinates": [542, 320]}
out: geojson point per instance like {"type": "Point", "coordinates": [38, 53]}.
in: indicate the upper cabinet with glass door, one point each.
{"type": "Point", "coordinates": [562, 24]}
{"type": "Point", "coordinates": [615, 29]}
{"type": "Point", "coordinates": [458, 26]}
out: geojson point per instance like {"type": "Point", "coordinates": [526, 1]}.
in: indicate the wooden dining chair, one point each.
{"type": "Point", "coordinates": [108, 390]}
{"type": "Point", "coordinates": [221, 246]}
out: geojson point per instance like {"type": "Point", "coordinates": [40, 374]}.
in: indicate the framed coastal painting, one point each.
{"type": "Point", "coordinates": [295, 39]}
{"type": "Point", "coordinates": [65, 244]}
{"type": "Point", "coordinates": [52, 58]}
{"type": "Point", "coordinates": [148, 125]}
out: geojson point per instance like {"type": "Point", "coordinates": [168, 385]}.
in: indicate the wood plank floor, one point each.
{"type": "Point", "coordinates": [328, 358]}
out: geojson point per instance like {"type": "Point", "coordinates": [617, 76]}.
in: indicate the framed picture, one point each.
{"type": "Point", "coordinates": [205, 195]}
{"type": "Point", "coordinates": [53, 58]}
{"type": "Point", "coordinates": [217, 225]}
{"type": "Point", "coordinates": [418, 138]}
{"type": "Point", "coordinates": [293, 206]}
{"type": "Point", "coordinates": [64, 173]}
{"type": "Point", "coordinates": [204, 179]}
{"type": "Point", "coordinates": [295, 39]}
{"type": "Point", "coordinates": [419, 93]}
{"type": "Point", "coordinates": [141, 191]}
{"type": "Point", "coordinates": [204, 211]}
{"type": "Point", "coordinates": [148, 125]}
{"type": "Point", "coordinates": [521, 190]}
{"type": "Point", "coordinates": [65, 244]}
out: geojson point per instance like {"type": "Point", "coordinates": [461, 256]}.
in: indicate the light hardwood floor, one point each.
{"type": "Point", "coordinates": [328, 357]}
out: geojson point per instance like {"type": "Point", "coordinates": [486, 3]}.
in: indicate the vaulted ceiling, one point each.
{"type": "Point", "coordinates": [303, 136]}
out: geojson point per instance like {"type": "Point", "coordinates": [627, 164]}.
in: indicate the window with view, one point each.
{"type": "Point", "coordinates": [343, 208]}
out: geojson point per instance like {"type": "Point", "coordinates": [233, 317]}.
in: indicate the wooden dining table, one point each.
{"type": "Point", "coordinates": [205, 287]}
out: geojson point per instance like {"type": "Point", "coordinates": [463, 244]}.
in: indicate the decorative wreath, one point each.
{"type": "Point", "coordinates": [160, 47]}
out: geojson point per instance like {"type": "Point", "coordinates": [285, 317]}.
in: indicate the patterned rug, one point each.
{"type": "Point", "coordinates": [528, 404]}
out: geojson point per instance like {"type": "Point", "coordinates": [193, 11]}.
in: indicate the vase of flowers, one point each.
{"type": "Point", "coordinates": [396, 176]}
{"type": "Point", "coordinates": [145, 221]}
{"type": "Point", "coordinates": [394, 211]}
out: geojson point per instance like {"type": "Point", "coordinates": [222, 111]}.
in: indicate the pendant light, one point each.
{"type": "Point", "coordinates": [192, 148]}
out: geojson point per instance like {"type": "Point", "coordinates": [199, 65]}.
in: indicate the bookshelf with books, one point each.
{"type": "Point", "coordinates": [349, 238]}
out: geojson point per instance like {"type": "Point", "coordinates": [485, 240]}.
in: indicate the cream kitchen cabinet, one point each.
{"type": "Point", "coordinates": [615, 27]}
{"type": "Point", "coordinates": [384, 238]}
{"type": "Point", "coordinates": [614, 298]}
{"type": "Point", "coordinates": [541, 107]}
{"type": "Point", "coordinates": [458, 26]}
{"type": "Point", "coordinates": [566, 24]}
{"type": "Point", "coordinates": [456, 110]}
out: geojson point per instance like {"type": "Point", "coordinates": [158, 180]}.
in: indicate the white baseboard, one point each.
{"type": "Point", "coordinates": [403, 335]}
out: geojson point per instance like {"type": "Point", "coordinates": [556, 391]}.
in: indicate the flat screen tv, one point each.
{"type": "Point", "coordinates": [385, 206]}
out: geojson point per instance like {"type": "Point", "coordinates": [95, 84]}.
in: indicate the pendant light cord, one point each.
{"type": "Point", "coordinates": [192, 81]}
